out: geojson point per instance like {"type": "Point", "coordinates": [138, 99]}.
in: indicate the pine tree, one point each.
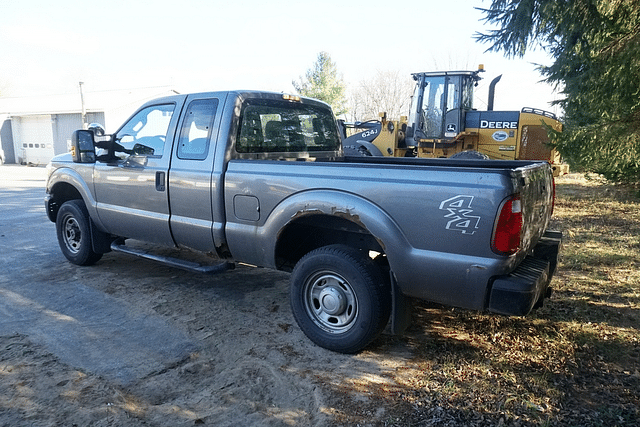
{"type": "Point", "coordinates": [323, 82]}
{"type": "Point", "coordinates": [595, 45]}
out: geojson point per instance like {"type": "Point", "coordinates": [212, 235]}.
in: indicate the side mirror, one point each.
{"type": "Point", "coordinates": [83, 148]}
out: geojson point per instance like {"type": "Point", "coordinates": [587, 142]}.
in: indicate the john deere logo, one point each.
{"type": "Point", "coordinates": [500, 135]}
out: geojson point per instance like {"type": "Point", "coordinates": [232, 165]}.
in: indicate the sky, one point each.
{"type": "Point", "coordinates": [48, 47]}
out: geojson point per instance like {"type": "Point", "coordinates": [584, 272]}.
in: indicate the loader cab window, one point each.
{"type": "Point", "coordinates": [467, 86]}
{"type": "Point", "coordinates": [276, 128]}
{"type": "Point", "coordinates": [443, 94]}
{"type": "Point", "coordinates": [433, 105]}
{"type": "Point", "coordinates": [145, 133]}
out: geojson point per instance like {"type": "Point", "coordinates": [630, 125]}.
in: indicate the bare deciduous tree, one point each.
{"type": "Point", "coordinates": [387, 91]}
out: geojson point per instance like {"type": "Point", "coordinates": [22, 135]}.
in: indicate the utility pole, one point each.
{"type": "Point", "coordinates": [84, 111]}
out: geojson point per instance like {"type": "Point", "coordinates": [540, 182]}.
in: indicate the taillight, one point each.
{"type": "Point", "coordinates": [508, 230]}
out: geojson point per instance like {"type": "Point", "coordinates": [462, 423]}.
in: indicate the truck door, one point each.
{"type": "Point", "coordinates": [132, 190]}
{"type": "Point", "coordinates": [190, 176]}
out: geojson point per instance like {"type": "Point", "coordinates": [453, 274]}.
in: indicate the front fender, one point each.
{"type": "Point", "coordinates": [67, 183]}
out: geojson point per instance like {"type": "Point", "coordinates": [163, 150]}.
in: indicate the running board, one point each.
{"type": "Point", "coordinates": [119, 245]}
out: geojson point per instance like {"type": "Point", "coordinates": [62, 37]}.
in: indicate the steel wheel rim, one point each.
{"type": "Point", "coordinates": [72, 235]}
{"type": "Point", "coordinates": [330, 302]}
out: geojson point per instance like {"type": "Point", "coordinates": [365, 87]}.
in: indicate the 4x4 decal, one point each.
{"type": "Point", "coordinates": [460, 214]}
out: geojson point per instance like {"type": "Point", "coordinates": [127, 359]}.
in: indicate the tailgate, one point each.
{"type": "Point", "coordinates": [536, 188]}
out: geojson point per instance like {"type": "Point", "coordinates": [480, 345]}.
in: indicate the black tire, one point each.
{"type": "Point", "coordinates": [339, 298]}
{"type": "Point", "coordinates": [74, 233]}
{"type": "Point", "coordinates": [470, 155]}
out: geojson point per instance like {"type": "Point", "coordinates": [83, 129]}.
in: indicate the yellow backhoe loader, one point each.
{"type": "Point", "coordinates": [443, 123]}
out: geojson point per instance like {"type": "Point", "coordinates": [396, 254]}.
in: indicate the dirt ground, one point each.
{"type": "Point", "coordinates": [248, 363]}
{"type": "Point", "coordinates": [252, 365]}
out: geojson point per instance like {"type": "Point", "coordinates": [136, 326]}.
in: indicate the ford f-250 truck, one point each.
{"type": "Point", "coordinates": [260, 178]}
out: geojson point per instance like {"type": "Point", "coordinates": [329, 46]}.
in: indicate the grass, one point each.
{"type": "Point", "coordinates": [574, 362]}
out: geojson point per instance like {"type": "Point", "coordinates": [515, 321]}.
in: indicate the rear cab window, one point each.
{"type": "Point", "coordinates": [284, 129]}
{"type": "Point", "coordinates": [195, 133]}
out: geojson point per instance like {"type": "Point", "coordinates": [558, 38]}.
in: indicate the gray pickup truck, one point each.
{"type": "Point", "coordinates": [260, 178]}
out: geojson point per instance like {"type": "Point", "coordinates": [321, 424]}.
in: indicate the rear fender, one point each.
{"type": "Point", "coordinates": [351, 207]}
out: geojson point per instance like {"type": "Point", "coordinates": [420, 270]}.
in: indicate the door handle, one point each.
{"type": "Point", "coordinates": [160, 186]}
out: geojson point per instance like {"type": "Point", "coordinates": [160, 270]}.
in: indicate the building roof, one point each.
{"type": "Point", "coordinates": [118, 99]}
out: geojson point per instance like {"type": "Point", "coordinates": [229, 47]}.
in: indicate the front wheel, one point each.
{"type": "Point", "coordinates": [339, 298]}
{"type": "Point", "coordinates": [74, 233]}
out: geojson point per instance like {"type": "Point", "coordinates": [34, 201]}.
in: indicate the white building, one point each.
{"type": "Point", "coordinates": [34, 129]}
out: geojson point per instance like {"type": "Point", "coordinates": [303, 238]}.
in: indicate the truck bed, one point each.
{"type": "Point", "coordinates": [507, 165]}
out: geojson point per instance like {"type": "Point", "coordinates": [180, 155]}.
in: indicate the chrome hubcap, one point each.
{"type": "Point", "coordinates": [72, 234]}
{"type": "Point", "coordinates": [331, 302]}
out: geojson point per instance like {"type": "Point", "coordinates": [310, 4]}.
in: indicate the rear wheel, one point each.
{"type": "Point", "coordinates": [74, 233]}
{"type": "Point", "coordinates": [339, 298]}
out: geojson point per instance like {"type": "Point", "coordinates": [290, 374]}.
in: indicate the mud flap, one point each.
{"type": "Point", "coordinates": [100, 241]}
{"type": "Point", "coordinates": [401, 308]}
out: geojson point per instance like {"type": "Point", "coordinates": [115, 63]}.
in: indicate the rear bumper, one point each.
{"type": "Point", "coordinates": [525, 288]}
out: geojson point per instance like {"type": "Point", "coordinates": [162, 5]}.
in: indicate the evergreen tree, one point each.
{"type": "Point", "coordinates": [596, 49]}
{"type": "Point", "coordinates": [323, 82]}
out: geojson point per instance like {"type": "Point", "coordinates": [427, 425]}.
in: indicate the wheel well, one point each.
{"type": "Point", "coordinates": [61, 193]}
{"type": "Point", "coordinates": [314, 231]}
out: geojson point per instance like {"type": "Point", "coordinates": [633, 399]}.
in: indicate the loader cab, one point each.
{"type": "Point", "coordinates": [439, 104]}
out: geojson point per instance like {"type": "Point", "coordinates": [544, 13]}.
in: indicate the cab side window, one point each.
{"type": "Point", "coordinates": [195, 132]}
{"type": "Point", "coordinates": [146, 132]}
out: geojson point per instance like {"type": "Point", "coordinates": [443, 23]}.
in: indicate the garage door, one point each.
{"type": "Point", "coordinates": [33, 136]}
